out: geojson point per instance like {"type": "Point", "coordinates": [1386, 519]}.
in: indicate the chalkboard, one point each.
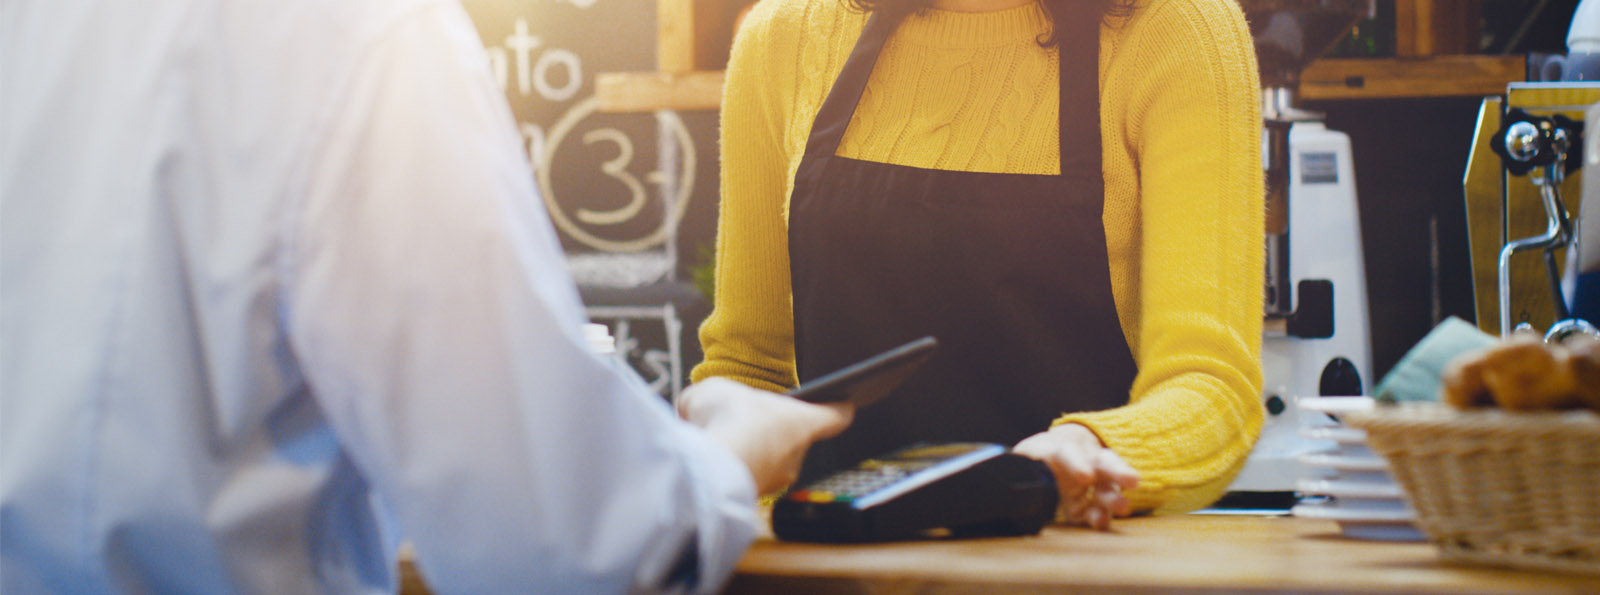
{"type": "Point", "coordinates": [632, 195]}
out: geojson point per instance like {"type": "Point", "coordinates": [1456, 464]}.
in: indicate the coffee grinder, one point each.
{"type": "Point", "coordinates": [1317, 340]}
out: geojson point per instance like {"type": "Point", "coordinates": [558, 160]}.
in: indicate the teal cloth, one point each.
{"type": "Point", "coordinates": [1416, 376]}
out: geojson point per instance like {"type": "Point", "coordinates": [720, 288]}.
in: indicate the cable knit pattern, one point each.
{"type": "Point", "coordinates": [1180, 126]}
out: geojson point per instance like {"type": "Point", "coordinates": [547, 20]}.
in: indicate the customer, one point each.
{"type": "Point", "coordinates": [270, 265]}
{"type": "Point", "coordinates": [1083, 235]}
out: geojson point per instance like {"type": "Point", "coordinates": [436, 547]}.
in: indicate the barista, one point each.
{"type": "Point", "coordinates": [1066, 193]}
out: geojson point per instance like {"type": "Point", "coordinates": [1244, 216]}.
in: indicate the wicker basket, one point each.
{"type": "Point", "coordinates": [1495, 487]}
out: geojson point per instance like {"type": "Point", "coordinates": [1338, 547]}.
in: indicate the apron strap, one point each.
{"type": "Point", "coordinates": [1078, 52]}
{"type": "Point", "coordinates": [834, 116]}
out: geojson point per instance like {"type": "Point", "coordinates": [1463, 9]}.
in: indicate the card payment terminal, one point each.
{"type": "Point", "coordinates": [968, 488]}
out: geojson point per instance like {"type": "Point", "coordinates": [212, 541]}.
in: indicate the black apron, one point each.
{"type": "Point", "coordinates": [1008, 271]}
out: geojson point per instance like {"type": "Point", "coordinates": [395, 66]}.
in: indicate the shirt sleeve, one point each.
{"type": "Point", "coordinates": [1195, 407]}
{"type": "Point", "coordinates": [429, 306]}
{"type": "Point", "coordinates": [749, 335]}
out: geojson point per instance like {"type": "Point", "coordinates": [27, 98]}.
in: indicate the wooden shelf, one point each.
{"type": "Point", "coordinates": [1423, 76]}
{"type": "Point", "coordinates": [650, 91]}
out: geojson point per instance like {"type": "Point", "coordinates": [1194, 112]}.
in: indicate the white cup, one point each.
{"type": "Point", "coordinates": [600, 340]}
{"type": "Point", "coordinates": [1575, 66]}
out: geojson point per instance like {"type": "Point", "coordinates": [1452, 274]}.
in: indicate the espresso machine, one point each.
{"type": "Point", "coordinates": [1317, 340]}
{"type": "Point", "coordinates": [1531, 194]}
{"type": "Point", "coordinates": [1525, 203]}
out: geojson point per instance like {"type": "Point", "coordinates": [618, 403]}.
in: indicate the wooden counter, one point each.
{"type": "Point", "coordinates": [1186, 553]}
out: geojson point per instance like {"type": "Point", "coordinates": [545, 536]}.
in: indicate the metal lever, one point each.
{"type": "Point", "coordinates": [1526, 143]}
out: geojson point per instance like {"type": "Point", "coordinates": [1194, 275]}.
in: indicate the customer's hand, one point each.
{"type": "Point", "coordinates": [1091, 477]}
{"type": "Point", "coordinates": [769, 432]}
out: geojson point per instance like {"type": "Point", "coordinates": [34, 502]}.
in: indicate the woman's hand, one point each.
{"type": "Point", "coordinates": [1090, 476]}
{"type": "Point", "coordinates": [769, 432]}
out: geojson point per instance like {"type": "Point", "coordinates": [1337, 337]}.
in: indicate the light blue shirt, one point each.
{"type": "Point", "coordinates": [266, 263]}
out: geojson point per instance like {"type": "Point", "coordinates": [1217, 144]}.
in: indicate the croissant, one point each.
{"type": "Point", "coordinates": [1584, 354]}
{"type": "Point", "coordinates": [1522, 373]}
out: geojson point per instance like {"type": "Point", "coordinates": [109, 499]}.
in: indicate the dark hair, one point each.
{"type": "Point", "coordinates": [1108, 8]}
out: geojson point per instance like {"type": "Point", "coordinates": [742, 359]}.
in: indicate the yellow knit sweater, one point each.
{"type": "Point", "coordinates": [1180, 127]}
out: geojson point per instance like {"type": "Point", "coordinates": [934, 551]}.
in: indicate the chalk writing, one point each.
{"type": "Point", "coordinates": [535, 74]}
{"type": "Point", "coordinates": [680, 181]}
